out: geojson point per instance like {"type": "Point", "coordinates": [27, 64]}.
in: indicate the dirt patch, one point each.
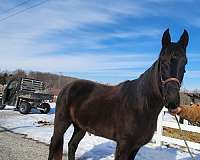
{"type": "Point", "coordinates": [43, 123]}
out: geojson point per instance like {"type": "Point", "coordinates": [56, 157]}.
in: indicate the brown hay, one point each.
{"type": "Point", "coordinates": [176, 133]}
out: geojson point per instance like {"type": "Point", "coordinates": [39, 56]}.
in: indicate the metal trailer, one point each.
{"type": "Point", "coordinates": [24, 94]}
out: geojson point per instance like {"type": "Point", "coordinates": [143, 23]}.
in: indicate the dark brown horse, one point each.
{"type": "Point", "coordinates": [126, 113]}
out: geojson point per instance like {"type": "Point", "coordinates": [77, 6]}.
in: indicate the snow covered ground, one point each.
{"type": "Point", "coordinates": [90, 148]}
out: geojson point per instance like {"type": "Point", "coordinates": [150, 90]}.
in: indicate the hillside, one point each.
{"type": "Point", "coordinates": [53, 82]}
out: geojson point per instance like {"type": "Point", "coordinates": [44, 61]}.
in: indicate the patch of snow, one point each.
{"type": "Point", "coordinates": [169, 117]}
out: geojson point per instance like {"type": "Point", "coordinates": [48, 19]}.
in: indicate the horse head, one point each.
{"type": "Point", "coordinates": [172, 61]}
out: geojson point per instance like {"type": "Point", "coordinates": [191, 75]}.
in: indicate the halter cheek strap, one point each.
{"type": "Point", "coordinates": [171, 79]}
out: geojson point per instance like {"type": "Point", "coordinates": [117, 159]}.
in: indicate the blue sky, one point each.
{"type": "Point", "coordinates": [107, 41]}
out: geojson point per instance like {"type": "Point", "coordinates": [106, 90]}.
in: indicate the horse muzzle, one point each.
{"type": "Point", "coordinates": [171, 88]}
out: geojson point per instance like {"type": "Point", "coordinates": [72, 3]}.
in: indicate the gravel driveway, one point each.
{"type": "Point", "coordinates": [17, 147]}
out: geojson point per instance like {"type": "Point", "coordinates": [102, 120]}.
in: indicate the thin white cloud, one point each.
{"type": "Point", "coordinates": [195, 21]}
{"type": "Point", "coordinates": [193, 57]}
{"type": "Point", "coordinates": [28, 33]}
{"type": "Point", "coordinates": [193, 74]}
{"type": "Point", "coordinates": [147, 32]}
{"type": "Point", "coordinates": [78, 63]}
{"type": "Point", "coordinates": [59, 15]}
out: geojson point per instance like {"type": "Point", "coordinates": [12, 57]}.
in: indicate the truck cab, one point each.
{"type": "Point", "coordinates": [9, 93]}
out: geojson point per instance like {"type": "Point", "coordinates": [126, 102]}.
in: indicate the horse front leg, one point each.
{"type": "Point", "coordinates": [133, 154]}
{"type": "Point", "coordinates": [123, 151]}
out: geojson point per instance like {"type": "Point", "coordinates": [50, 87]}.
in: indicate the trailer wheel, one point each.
{"type": "Point", "coordinates": [2, 106]}
{"type": "Point", "coordinates": [24, 107]}
{"type": "Point", "coordinates": [46, 108]}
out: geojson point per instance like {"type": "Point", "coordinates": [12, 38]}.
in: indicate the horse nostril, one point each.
{"type": "Point", "coordinates": [173, 101]}
{"type": "Point", "coordinates": [172, 98]}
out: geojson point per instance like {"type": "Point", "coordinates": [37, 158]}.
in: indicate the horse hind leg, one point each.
{"type": "Point", "coordinates": [56, 146]}
{"type": "Point", "coordinates": [78, 134]}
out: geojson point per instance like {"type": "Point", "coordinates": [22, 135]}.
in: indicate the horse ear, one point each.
{"type": "Point", "coordinates": [166, 39]}
{"type": "Point", "coordinates": [184, 39]}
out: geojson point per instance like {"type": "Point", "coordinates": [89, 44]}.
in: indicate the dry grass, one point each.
{"type": "Point", "coordinates": [175, 133]}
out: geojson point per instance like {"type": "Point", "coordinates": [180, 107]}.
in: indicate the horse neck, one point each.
{"type": "Point", "coordinates": [150, 82]}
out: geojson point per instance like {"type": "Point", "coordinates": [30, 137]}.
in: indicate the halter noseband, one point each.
{"type": "Point", "coordinates": [170, 79]}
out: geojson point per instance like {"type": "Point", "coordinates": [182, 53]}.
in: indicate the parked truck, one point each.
{"type": "Point", "coordinates": [25, 94]}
